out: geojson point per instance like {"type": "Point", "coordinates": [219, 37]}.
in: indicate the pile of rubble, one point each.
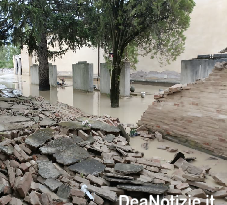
{"type": "Point", "coordinates": [173, 89]}
{"type": "Point", "coordinates": [55, 155]}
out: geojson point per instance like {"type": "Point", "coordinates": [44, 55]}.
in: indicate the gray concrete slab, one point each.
{"type": "Point", "coordinates": [89, 166]}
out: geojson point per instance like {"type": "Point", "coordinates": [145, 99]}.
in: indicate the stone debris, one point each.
{"type": "Point", "coordinates": [40, 137]}
{"type": "Point", "coordinates": [220, 194]}
{"type": "Point", "coordinates": [46, 162]}
{"type": "Point", "coordinates": [71, 155]}
{"type": "Point", "coordinates": [204, 186]}
{"type": "Point", "coordinates": [221, 178]}
{"type": "Point", "coordinates": [5, 200]}
{"type": "Point", "coordinates": [148, 188]}
{"type": "Point", "coordinates": [47, 170]}
{"type": "Point", "coordinates": [172, 149]}
{"type": "Point", "coordinates": [64, 191]}
{"type": "Point", "coordinates": [53, 184]}
{"type": "Point", "coordinates": [158, 136]}
{"type": "Point", "coordinates": [59, 144]}
{"type": "Point", "coordinates": [89, 166]}
{"type": "Point", "coordinates": [192, 177]}
{"type": "Point", "coordinates": [107, 194]}
{"type": "Point", "coordinates": [128, 168]}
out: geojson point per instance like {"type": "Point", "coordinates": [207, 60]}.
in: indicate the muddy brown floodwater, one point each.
{"type": "Point", "coordinates": [129, 112]}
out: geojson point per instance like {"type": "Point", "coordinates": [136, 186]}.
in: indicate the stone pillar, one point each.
{"type": "Point", "coordinates": [104, 79]}
{"type": "Point", "coordinates": [83, 76]}
{"type": "Point", "coordinates": [53, 75]}
{"type": "Point", "coordinates": [125, 80]}
{"type": "Point", "coordinates": [34, 74]}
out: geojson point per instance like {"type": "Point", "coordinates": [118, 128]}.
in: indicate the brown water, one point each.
{"type": "Point", "coordinates": [202, 159]}
{"type": "Point", "coordinates": [129, 112]}
{"type": "Point", "coordinates": [130, 109]}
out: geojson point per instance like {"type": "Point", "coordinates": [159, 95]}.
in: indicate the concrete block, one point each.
{"type": "Point", "coordinates": [83, 76]}
{"type": "Point", "coordinates": [104, 79]}
{"type": "Point", "coordinates": [53, 75]}
{"type": "Point", "coordinates": [125, 80]}
{"type": "Point", "coordinates": [34, 74]}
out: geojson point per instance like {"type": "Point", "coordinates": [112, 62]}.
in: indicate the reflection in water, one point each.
{"type": "Point", "coordinates": [45, 94]}
{"type": "Point", "coordinates": [85, 100]}
{"type": "Point", "coordinates": [53, 95]}
{"type": "Point", "coordinates": [34, 90]}
{"type": "Point", "coordinates": [130, 109]}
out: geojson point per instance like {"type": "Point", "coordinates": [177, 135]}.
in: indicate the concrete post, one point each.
{"type": "Point", "coordinates": [34, 71]}
{"type": "Point", "coordinates": [53, 75]}
{"type": "Point", "coordinates": [104, 79]}
{"type": "Point", "coordinates": [125, 80]}
{"type": "Point", "coordinates": [83, 76]}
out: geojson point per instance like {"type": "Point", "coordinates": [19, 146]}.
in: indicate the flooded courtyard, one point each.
{"type": "Point", "coordinates": [129, 112]}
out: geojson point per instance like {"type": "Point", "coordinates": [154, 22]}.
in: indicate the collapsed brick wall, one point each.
{"type": "Point", "coordinates": [193, 114]}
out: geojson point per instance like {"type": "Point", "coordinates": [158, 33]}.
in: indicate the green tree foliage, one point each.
{"type": "Point", "coordinates": [44, 24]}
{"type": "Point", "coordinates": [6, 55]}
{"type": "Point", "coordinates": [155, 26]}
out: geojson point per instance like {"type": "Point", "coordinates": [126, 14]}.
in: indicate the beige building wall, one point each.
{"type": "Point", "coordinates": [84, 54]}
{"type": "Point", "coordinates": [206, 35]}
{"type": "Point", "coordinates": [64, 63]}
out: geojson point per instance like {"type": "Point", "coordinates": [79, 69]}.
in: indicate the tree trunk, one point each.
{"type": "Point", "coordinates": [43, 64]}
{"type": "Point", "coordinates": [115, 82]}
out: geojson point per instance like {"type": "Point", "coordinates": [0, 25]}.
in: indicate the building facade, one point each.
{"type": "Point", "coordinates": [206, 35]}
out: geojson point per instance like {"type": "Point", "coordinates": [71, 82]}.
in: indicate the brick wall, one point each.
{"type": "Point", "coordinates": [193, 114]}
